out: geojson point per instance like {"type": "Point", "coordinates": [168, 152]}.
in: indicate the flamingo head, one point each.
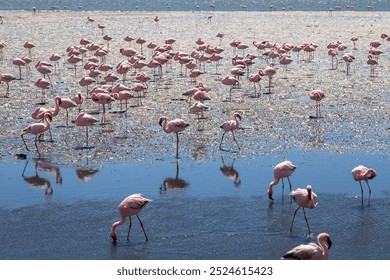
{"type": "Point", "coordinates": [162, 119]}
{"type": "Point", "coordinates": [371, 173]}
{"type": "Point", "coordinates": [114, 239]}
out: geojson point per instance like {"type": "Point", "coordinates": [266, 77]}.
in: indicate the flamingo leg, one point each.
{"type": "Point", "coordinates": [142, 226]}
{"type": "Point", "coordinates": [369, 193]}
{"type": "Point", "coordinates": [220, 144]}
{"type": "Point", "coordinates": [292, 223]}
{"type": "Point", "coordinates": [25, 141]}
{"type": "Point", "coordinates": [177, 145]}
{"type": "Point", "coordinates": [36, 144]}
{"type": "Point", "coordinates": [361, 189]}
{"type": "Point", "coordinates": [86, 132]}
{"type": "Point", "coordinates": [234, 138]}
{"type": "Point", "coordinates": [128, 231]}
{"type": "Point", "coordinates": [307, 221]}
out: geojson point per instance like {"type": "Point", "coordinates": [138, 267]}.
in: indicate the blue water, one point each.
{"type": "Point", "coordinates": [189, 5]}
{"type": "Point", "coordinates": [197, 211]}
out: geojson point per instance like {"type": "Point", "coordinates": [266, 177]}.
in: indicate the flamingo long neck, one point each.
{"type": "Point", "coordinates": [273, 183]}
{"type": "Point", "coordinates": [116, 224]}
{"type": "Point", "coordinates": [165, 126]}
{"type": "Point", "coordinates": [46, 121]}
{"type": "Point", "coordinates": [324, 247]}
{"type": "Point", "coordinates": [57, 108]}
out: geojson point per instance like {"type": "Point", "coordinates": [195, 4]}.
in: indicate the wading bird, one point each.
{"type": "Point", "coordinates": [361, 173]}
{"type": "Point", "coordinates": [176, 126]}
{"type": "Point", "coordinates": [282, 170]}
{"type": "Point", "coordinates": [130, 206]}
{"type": "Point", "coordinates": [304, 198]}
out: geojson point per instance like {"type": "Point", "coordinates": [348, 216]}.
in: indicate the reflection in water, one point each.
{"type": "Point", "coordinates": [230, 172]}
{"type": "Point", "coordinates": [174, 183]}
{"type": "Point", "coordinates": [315, 133]}
{"type": "Point", "coordinates": [47, 166]}
{"type": "Point", "coordinates": [37, 181]}
{"type": "Point", "coordinates": [86, 173]}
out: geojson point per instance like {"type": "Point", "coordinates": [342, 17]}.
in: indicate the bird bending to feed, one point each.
{"type": "Point", "coordinates": [361, 173]}
{"type": "Point", "coordinates": [304, 198]}
{"type": "Point", "coordinates": [37, 129]}
{"type": "Point", "coordinates": [130, 206]}
{"type": "Point", "coordinates": [311, 251]}
{"type": "Point", "coordinates": [176, 126]}
{"type": "Point", "coordinates": [282, 170]}
{"type": "Point", "coordinates": [231, 125]}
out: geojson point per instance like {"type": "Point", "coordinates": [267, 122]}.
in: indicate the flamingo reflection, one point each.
{"type": "Point", "coordinates": [230, 172]}
{"type": "Point", "coordinates": [46, 165]}
{"type": "Point", "coordinates": [175, 183]}
{"type": "Point", "coordinates": [86, 173]}
{"type": "Point", "coordinates": [37, 181]}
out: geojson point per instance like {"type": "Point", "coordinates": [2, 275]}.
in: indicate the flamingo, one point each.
{"type": "Point", "coordinates": [317, 95]}
{"type": "Point", "coordinates": [361, 173]}
{"type": "Point", "coordinates": [67, 103]}
{"type": "Point", "coordinates": [268, 71]}
{"type": "Point", "coordinates": [7, 78]}
{"type": "Point", "coordinates": [43, 84]}
{"type": "Point", "coordinates": [230, 81]}
{"type": "Point", "coordinates": [311, 251]}
{"type": "Point", "coordinates": [373, 63]}
{"type": "Point", "coordinates": [78, 99]}
{"type": "Point", "coordinates": [282, 170]}
{"type": "Point", "coordinates": [19, 62]}
{"type": "Point", "coordinates": [37, 129]}
{"type": "Point", "coordinates": [231, 125]}
{"type": "Point", "coordinates": [176, 126]}
{"type": "Point", "coordinates": [40, 112]}
{"type": "Point", "coordinates": [304, 198]}
{"type": "Point", "coordinates": [86, 120]}
{"type": "Point", "coordinates": [348, 58]}
{"type": "Point", "coordinates": [130, 206]}
{"type": "Point", "coordinates": [102, 99]}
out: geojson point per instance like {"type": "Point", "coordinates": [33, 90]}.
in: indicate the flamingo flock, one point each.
{"type": "Point", "coordinates": [99, 78]}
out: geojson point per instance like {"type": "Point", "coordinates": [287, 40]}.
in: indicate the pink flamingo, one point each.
{"type": "Point", "coordinates": [333, 53]}
{"type": "Point", "coordinates": [255, 79]}
{"type": "Point", "coordinates": [123, 95]}
{"type": "Point", "coordinates": [19, 63]}
{"type": "Point", "coordinates": [268, 71]}
{"type": "Point", "coordinates": [198, 107]}
{"type": "Point", "coordinates": [317, 95]}
{"type": "Point", "coordinates": [55, 58]}
{"type": "Point", "coordinates": [40, 112]}
{"type": "Point", "coordinates": [78, 99]}
{"type": "Point", "coordinates": [231, 125]}
{"type": "Point", "coordinates": [230, 81]}
{"type": "Point", "coordinates": [43, 84]}
{"type": "Point", "coordinates": [130, 206]}
{"type": "Point", "coordinates": [67, 103]}
{"type": "Point", "coordinates": [361, 173]}
{"type": "Point", "coordinates": [175, 126]}
{"type": "Point", "coordinates": [7, 78]}
{"type": "Point", "coordinates": [373, 63]}
{"type": "Point", "coordinates": [282, 170]}
{"type": "Point", "coordinates": [348, 58]}
{"type": "Point", "coordinates": [304, 198]}
{"type": "Point", "coordinates": [139, 88]}
{"type": "Point", "coordinates": [86, 81]}
{"type": "Point", "coordinates": [311, 251]}
{"type": "Point", "coordinates": [86, 120]}
{"type": "Point", "coordinates": [29, 46]}
{"type": "Point", "coordinates": [354, 39]}
{"type": "Point", "coordinates": [102, 99]}
{"type": "Point", "coordinates": [37, 129]}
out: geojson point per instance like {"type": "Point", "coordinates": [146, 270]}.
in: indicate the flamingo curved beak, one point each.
{"type": "Point", "coordinates": [270, 196]}
{"type": "Point", "coordinates": [114, 239]}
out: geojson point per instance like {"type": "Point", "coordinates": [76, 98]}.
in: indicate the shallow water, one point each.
{"type": "Point", "coordinates": [197, 212]}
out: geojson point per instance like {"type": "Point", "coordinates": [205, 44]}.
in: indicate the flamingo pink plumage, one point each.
{"type": "Point", "coordinates": [67, 103]}
{"type": "Point", "coordinates": [231, 125]}
{"type": "Point", "coordinates": [86, 120]}
{"type": "Point", "coordinates": [7, 78]}
{"type": "Point", "coordinates": [317, 95]}
{"type": "Point", "coordinates": [361, 173]}
{"type": "Point", "coordinates": [37, 129]}
{"type": "Point", "coordinates": [130, 206]}
{"type": "Point", "coordinates": [282, 170]}
{"type": "Point", "coordinates": [311, 251]}
{"type": "Point", "coordinates": [304, 198]}
{"type": "Point", "coordinates": [175, 126]}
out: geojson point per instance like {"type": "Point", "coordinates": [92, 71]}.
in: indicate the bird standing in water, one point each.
{"type": "Point", "coordinates": [231, 125]}
{"type": "Point", "coordinates": [311, 251]}
{"type": "Point", "coordinates": [361, 173]}
{"type": "Point", "coordinates": [282, 170]}
{"type": "Point", "coordinates": [176, 126]}
{"type": "Point", "coordinates": [130, 206]}
{"type": "Point", "coordinates": [304, 198]}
